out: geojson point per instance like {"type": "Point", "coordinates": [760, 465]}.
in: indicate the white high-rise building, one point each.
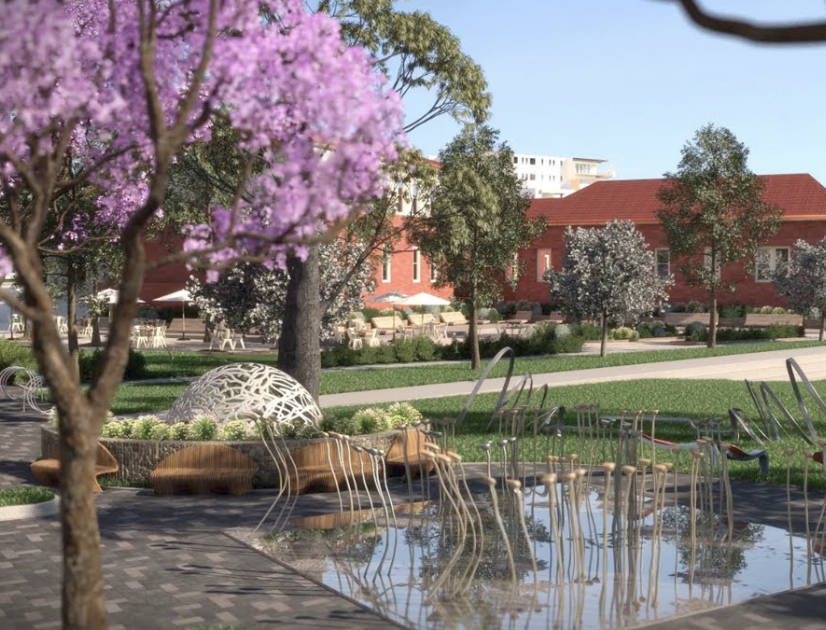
{"type": "Point", "coordinates": [555, 176]}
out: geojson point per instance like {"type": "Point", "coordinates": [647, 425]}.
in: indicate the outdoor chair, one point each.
{"type": "Point", "coordinates": [204, 468]}
{"type": "Point", "coordinates": [47, 470]}
{"type": "Point", "coordinates": [16, 323]}
{"type": "Point", "coordinates": [372, 338]}
{"type": "Point", "coordinates": [453, 318]}
{"type": "Point", "coordinates": [139, 337]}
{"type": "Point", "coordinates": [87, 329]}
{"type": "Point", "coordinates": [354, 341]}
{"type": "Point", "coordinates": [238, 339]}
{"type": "Point", "coordinates": [159, 337]}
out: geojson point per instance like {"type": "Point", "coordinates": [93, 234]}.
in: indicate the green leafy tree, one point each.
{"type": "Point", "coordinates": [477, 223]}
{"type": "Point", "coordinates": [608, 274]}
{"type": "Point", "coordinates": [713, 212]}
{"type": "Point", "coordinates": [803, 283]}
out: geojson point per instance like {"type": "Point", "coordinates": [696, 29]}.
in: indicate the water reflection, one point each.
{"type": "Point", "coordinates": [564, 561]}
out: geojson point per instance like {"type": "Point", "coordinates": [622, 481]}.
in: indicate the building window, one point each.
{"type": "Point", "coordinates": [662, 258]}
{"type": "Point", "coordinates": [533, 161]}
{"type": "Point", "coordinates": [433, 272]}
{"type": "Point", "coordinates": [385, 265]}
{"type": "Point", "coordinates": [543, 264]}
{"type": "Point", "coordinates": [532, 177]}
{"type": "Point", "coordinates": [770, 261]}
{"type": "Point", "coordinates": [417, 266]}
{"type": "Point", "coordinates": [515, 160]}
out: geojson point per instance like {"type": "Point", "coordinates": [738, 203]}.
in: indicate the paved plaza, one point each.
{"type": "Point", "coordinates": [168, 562]}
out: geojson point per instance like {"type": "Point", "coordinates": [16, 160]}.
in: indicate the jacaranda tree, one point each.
{"type": "Point", "coordinates": [608, 275]}
{"type": "Point", "coordinates": [109, 93]}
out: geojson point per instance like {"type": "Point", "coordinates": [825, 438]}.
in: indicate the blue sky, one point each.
{"type": "Point", "coordinates": [631, 80]}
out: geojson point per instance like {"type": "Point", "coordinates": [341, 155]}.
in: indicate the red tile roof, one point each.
{"type": "Point", "coordinates": [800, 196]}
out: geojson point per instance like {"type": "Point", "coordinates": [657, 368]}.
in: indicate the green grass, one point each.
{"type": "Point", "coordinates": [689, 398]}
{"type": "Point", "coordinates": [23, 495]}
{"type": "Point", "coordinates": [185, 364]}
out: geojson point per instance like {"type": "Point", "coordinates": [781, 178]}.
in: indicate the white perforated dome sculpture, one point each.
{"type": "Point", "coordinates": [246, 391]}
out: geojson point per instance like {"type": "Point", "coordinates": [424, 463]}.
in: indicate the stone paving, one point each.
{"type": "Point", "coordinates": [168, 562]}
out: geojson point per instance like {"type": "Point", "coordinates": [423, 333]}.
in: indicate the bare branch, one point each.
{"type": "Point", "coordinates": [771, 34]}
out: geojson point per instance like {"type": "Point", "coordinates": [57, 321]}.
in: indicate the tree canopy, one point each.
{"type": "Point", "coordinates": [608, 275]}
{"type": "Point", "coordinates": [803, 282]}
{"type": "Point", "coordinates": [713, 212]}
{"type": "Point", "coordinates": [476, 223]}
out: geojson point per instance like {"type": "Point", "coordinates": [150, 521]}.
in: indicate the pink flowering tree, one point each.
{"type": "Point", "coordinates": [104, 96]}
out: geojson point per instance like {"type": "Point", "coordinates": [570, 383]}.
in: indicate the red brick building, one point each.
{"type": "Point", "coordinates": [801, 197]}
{"type": "Point", "coordinates": [406, 270]}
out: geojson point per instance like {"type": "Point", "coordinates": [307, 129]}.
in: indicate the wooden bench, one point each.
{"type": "Point", "coordinates": [754, 320]}
{"type": "Point", "coordinates": [521, 317]}
{"type": "Point", "coordinates": [453, 318]}
{"type": "Point", "coordinates": [420, 319]}
{"type": "Point", "coordinates": [686, 319]}
{"type": "Point", "coordinates": [194, 327]}
{"type": "Point", "coordinates": [405, 455]}
{"type": "Point", "coordinates": [47, 470]}
{"type": "Point", "coordinates": [387, 323]}
{"type": "Point", "coordinates": [204, 468]}
{"type": "Point", "coordinates": [319, 469]}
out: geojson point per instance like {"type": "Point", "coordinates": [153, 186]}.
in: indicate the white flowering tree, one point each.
{"type": "Point", "coordinates": [803, 283]}
{"type": "Point", "coordinates": [252, 296]}
{"type": "Point", "coordinates": [608, 274]}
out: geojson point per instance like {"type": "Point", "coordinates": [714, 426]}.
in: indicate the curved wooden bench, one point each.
{"type": "Point", "coordinates": [316, 474]}
{"type": "Point", "coordinates": [204, 468]}
{"type": "Point", "coordinates": [405, 457]}
{"type": "Point", "coordinates": [47, 470]}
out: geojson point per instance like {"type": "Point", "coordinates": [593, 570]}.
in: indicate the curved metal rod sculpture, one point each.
{"type": "Point", "coordinates": [792, 367]}
{"type": "Point", "coordinates": [770, 426]}
{"type": "Point", "coordinates": [30, 390]}
{"type": "Point", "coordinates": [769, 395]}
{"type": "Point", "coordinates": [491, 364]}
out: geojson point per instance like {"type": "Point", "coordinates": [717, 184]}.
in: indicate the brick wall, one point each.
{"type": "Point", "coordinates": [747, 290]}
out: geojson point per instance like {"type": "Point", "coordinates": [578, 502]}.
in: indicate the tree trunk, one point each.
{"type": "Point", "coordinates": [82, 594]}
{"type": "Point", "coordinates": [603, 341]}
{"type": "Point", "coordinates": [71, 315]}
{"type": "Point", "coordinates": [299, 346]}
{"type": "Point", "coordinates": [822, 325]}
{"type": "Point", "coordinates": [96, 331]}
{"type": "Point", "coordinates": [473, 334]}
{"type": "Point", "coordinates": [712, 329]}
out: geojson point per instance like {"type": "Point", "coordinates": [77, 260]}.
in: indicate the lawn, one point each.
{"type": "Point", "coordinates": [690, 398]}
{"type": "Point", "coordinates": [187, 364]}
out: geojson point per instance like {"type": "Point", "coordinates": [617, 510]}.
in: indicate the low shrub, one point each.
{"type": "Point", "coordinates": [178, 431]}
{"type": "Point", "coordinates": [624, 332]}
{"type": "Point", "coordinates": [202, 429]}
{"type": "Point", "coordinates": [12, 353]}
{"type": "Point", "coordinates": [747, 334]}
{"type": "Point", "coordinates": [403, 413]}
{"type": "Point", "coordinates": [234, 430]}
{"type": "Point", "coordinates": [159, 432]}
{"type": "Point", "coordinates": [371, 420]}
{"type": "Point", "coordinates": [732, 310]}
{"type": "Point", "coordinates": [142, 429]}
{"type": "Point", "coordinates": [24, 495]}
{"type": "Point", "coordinates": [114, 429]}
{"type": "Point", "coordinates": [90, 363]}
{"type": "Point", "coordinates": [656, 329]}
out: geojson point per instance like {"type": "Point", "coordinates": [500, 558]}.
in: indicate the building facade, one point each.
{"type": "Point", "coordinates": [800, 196]}
{"type": "Point", "coordinates": [554, 176]}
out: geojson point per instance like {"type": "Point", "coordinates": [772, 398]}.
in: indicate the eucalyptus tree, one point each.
{"type": "Point", "coordinates": [713, 212]}
{"type": "Point", "coordinates": [608, 275]}
{"type": "Point", "coordinates": [477, 223]}
{"type": "Point", "coordinates": [803, 282]}
{"type": "Point", "coordinates": [422, 58]}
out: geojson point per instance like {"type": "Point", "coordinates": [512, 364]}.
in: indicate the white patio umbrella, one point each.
{"type": "Point", "coordinates": [424, 299]}
{"type": "Point", "coordinates": [111, 296]}
{"type": "Point", "coordinates": [183, 296]}
{"type": "Point", "coordinates": [392, 297]}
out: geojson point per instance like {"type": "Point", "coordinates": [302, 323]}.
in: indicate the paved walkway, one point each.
{"type": "Point", "coordinates": [764, 366]}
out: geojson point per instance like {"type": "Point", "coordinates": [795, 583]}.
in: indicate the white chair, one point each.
{"type": "Point", "coordinates": [226, 339]}
{"type": "Point", "coordinates": [139, 337]}
{"type": "Point", "coordinates": [16, 323]}
{"type": "Point", "coordinates": [87, 328]}
{"type": "Point", "coordinates": [60, 323]}
{"type": "Point", "coordinates": [372, 338]}
{"type": "Point", "coordinates": [238, 339]}
{"type": "Point", "coordinates": [354, 340]}
{"type": "Point", "coordinates": [159, 337]}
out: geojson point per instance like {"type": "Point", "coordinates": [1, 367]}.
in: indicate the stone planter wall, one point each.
{"type": "Point", "coordinates": [138, 458]}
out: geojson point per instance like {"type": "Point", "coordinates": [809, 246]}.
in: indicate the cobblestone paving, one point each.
{"type": "Point", "coordinates": [169, 564]}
